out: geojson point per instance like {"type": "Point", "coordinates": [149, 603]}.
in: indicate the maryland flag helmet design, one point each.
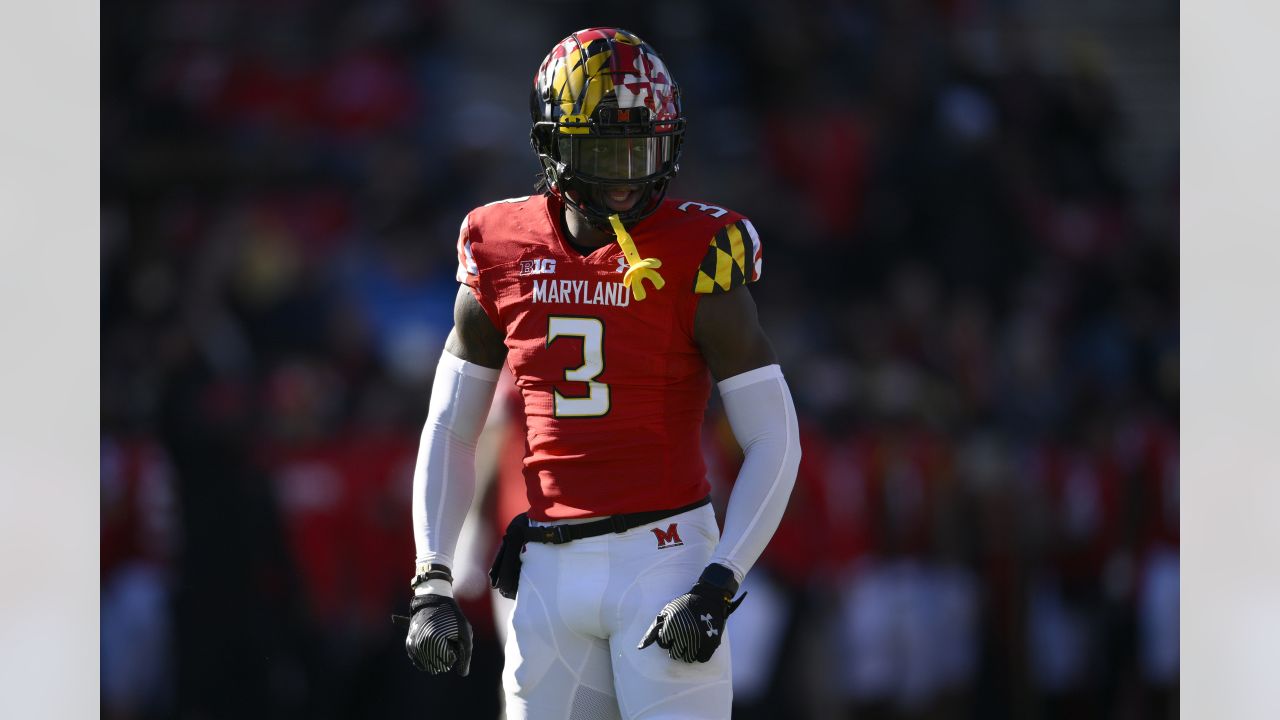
{"type": "Point", "coordinates": [606, 113]}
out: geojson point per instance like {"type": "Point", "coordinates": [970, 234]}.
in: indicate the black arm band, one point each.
{"type": "Point", "coordinates": [434, 571]}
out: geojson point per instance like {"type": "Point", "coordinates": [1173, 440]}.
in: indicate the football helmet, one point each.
{"type": "Point", "coordinates": [606, 119]}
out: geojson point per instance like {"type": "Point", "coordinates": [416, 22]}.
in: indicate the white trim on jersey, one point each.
{"type": "Point", "coordinates": [466, 262]}
{"type": "Point", "coordinates": [757, 254]}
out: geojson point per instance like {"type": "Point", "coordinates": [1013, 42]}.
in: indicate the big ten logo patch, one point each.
{"type": "Point", "coordinates": [545, 266]}
{"type": "Point", "coordinates": [667, 538]}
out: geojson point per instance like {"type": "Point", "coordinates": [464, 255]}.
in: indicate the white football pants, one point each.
{"type": "Point", "coordinates": [582, 609]}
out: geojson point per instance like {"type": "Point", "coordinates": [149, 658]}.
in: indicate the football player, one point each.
{"type": "Point", "coordinates": [610, 303]}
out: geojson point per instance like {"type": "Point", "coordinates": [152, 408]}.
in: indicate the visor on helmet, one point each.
{"type": "Point", "coordinates": [616, 158]}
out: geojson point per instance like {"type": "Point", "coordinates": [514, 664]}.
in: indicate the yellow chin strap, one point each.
{"type": "Point", "coordinates": [640, 270]}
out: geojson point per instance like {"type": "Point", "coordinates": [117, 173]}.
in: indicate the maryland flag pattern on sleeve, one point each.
{"type": "Point", "coordinates": [733, 258]}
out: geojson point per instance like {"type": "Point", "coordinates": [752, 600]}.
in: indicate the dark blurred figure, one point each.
{"type": "Point", "coordinates": [139, 546]}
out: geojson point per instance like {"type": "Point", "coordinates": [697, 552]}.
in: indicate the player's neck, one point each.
{"type": "Point", "coordinates": [581, 234]}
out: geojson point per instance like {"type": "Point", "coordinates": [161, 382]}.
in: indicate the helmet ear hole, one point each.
{"type": "Point", "coordinates": [539, 136]}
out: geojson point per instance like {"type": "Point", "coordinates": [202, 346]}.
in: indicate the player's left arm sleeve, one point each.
{"type": "Point", "coordinates": [763, 418]}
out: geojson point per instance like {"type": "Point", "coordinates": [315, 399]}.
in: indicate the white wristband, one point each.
{"type": "Point", "coordinates": [434, 587]}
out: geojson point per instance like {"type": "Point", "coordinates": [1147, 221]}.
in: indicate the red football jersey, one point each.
{"type": "Point", "coordinates": [614, 388]}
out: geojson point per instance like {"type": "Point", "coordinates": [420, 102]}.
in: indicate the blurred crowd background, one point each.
{"type": "Point", "coordinates": [969, 211]}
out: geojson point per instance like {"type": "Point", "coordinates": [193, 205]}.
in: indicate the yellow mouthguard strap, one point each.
{"type": "Point", "coordinates": [640, 270]}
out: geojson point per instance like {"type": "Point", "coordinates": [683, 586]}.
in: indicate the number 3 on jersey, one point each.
{"type": "Point", "coordinates": [591, 330]}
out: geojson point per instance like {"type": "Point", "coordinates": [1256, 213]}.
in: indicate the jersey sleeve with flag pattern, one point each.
{"type": "Point", "coordinates": [614, 388]}
{"type": "Point", "coordinates": [734, 257]}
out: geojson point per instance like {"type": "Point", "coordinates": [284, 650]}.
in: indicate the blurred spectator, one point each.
{"type": "Point", "coordinates": [139, 546]}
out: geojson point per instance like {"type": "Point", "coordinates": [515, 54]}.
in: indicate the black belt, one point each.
{"type": "Point", "coordinates": [561, 534]}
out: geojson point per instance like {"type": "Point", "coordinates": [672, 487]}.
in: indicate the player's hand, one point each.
{"type": "Point", "coordinates": [439, 638]}
{"type": "Point", "coordinates": [691, 626]}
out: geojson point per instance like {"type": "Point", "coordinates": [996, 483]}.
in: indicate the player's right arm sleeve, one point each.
{"type": "Point", "coordinates": [444, 479]}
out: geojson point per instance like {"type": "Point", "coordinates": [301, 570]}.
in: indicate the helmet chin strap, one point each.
{"type": "Point", "coordinates": [640, 270]}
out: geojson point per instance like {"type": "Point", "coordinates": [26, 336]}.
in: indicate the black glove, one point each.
{"type": "Point", "coordinates": [439, 638]}
{"type": "Point", "coordinates": [691, 626]}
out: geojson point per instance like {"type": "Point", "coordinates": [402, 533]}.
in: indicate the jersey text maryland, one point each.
{"type": "Point", "coordinates": [582, 292]}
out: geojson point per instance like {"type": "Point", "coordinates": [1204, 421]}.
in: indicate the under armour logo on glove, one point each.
{"type": "Point", "coordinates": [678, 626]}
{"type": "Point", "coordinates": [711, 629]}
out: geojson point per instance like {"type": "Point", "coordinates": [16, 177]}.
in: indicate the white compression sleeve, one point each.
{"type": "Point", "coordinates": [763, 418]}
{"type": "Point", "coordinates": [444, 479]}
